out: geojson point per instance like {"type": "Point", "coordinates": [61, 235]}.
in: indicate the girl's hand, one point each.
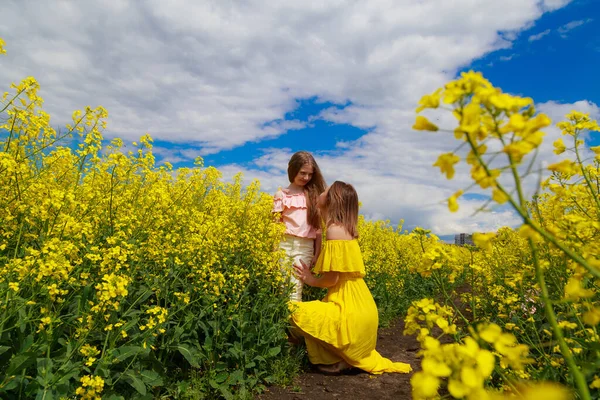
{"type": "Point", "coordinates": [302, 271]}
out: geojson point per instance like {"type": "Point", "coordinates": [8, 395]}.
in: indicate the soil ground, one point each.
{"type": "Point", "coordinates": [355, 384]}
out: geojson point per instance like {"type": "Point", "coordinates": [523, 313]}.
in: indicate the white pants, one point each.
{"type": "Point", "coordinates": [297, 249]}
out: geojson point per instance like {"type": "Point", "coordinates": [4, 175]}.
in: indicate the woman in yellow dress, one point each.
{"type": "Point", "coordinates": [340, 331]}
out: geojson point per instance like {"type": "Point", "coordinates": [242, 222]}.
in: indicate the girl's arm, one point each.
{"type": "Point", "coordinates": [326, 280]}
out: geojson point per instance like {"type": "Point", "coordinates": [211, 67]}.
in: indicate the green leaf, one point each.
{"type": "Point", "coordinates": [114, 397]}
{"type": "Point", "coordinates": [151, 378]}
{"type": "Point", "coordinates": [125, 352]}
{"type": "Point", "coordinates": [44, 394]}
{"type": "Point", "coordinates": [178, 332]}
{"type": "Point", "coordinates": [19, 362]}
{"type": "Point", "coordinates": [225, 392]}
{"type": "Point", "coordinates": [156, 364]}
{"type": "Point", "coordinates": [44, 370]}
{"type": "Point", "coordinates": [593, 345]}
{"type": "Point", "coordinates": [12, 384]}
{"type": "Point", "coordinates": [273, 351]}
{"type": "Point", "coordinates": [220, 366]}
{"type": "Point", "coordinates": [221, 377]}
{"type": "Point", "coordinates": [26, 344]}
{"type": "Point", "coordinates": [22, 319]}
{"type": "Point", "coordinates": [44, 366]}
{"type": "Point", "coordinates": [192, 355]}
{"type": "Point", "coordinates": [4, 349]}
{"type": "Point", "coordinates": [236, 377]}
{"type": "Point", "coordinates": [134, 380]}
{"type": "Point", "coordinates": [64, 379]}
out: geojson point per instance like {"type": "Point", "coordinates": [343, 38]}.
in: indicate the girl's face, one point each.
{"type": "Point", "coordinates": [304, 175]}
{"type": "Point", "coordinates": [322, 199]}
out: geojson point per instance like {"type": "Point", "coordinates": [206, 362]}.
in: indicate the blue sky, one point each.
{"type": "Point", "coordinates": [245, 86]}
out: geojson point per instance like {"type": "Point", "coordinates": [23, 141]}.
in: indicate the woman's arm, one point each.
{"type": "Point", "coordinates": [328, 279]}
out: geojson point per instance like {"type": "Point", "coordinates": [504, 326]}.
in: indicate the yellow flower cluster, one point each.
{"type": "Point", "coordinates": [158, 315]}
{"type": "Point", "coordinates": [100, 245]}
{"type": "Point", "coordinates": [465, 366]}
{"type": "Point", "coordinates": [512, 354]}
{"type": "Point", "coordinates": [539, 281]}
{"type": "Point", "coordinates": [90, 352]}
{"type": "Point", "coordinates": [479, 109]}
{"type": "Point", "coordinates": [91, 387]}
{"type": "Point", "coordinates": [431, 313]}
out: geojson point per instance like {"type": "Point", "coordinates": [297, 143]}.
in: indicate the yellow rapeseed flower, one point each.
{"type": "Point", "coordinates": [446, 163]}
{"type": "Point", "coordinates": [527, 232]}
{"type": "Point", "coordinates": [423, 124]}
{"type": "Point", "coordinates": [424, 385]}
{"type": "Point", "coordinates": [484, 240]}
{"type": "Point", "coordinates": [499, 196]}
{"type": "Point", "coordinates": [559, 146]}
{"type": "Point", "coordinates": [429, 101]}
{"type": "Point", "coordinates": [575, 291]}
{"type": "Point", "coordinates": [592, 316]}
{"type": "Point", "coordinates": [567, 167]}
{"type": "Point", "coordinates": [452, 203]}
{"type": "Point", "coordinates": [546, 391]}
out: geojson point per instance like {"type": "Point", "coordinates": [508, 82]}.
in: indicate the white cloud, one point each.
{"type": "Point", "coordinates": [538, 36]}
{"type": "Point", "coordinates": [563, 30]}
{"type": "Point", "coordinates": [214, 75]}
{"type": "Point", "coordinates": [551, 5]}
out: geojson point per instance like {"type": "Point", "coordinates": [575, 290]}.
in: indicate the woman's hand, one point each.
{"type": "Point", "coordinates": [304, 274]}
{"type": "Point", "coordinates": [302, 271]}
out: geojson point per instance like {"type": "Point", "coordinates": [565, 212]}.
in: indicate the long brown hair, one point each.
{"type": "Point", "coordinates": [313, 188]}
{"type": "Point", "coordinates": [341, 204]}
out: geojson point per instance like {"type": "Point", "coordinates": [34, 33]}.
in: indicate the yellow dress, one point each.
{"type": "Point", "coordinates": [343, 326]}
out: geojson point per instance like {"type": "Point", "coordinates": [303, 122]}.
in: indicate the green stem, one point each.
{"type": "Point", "coordinates": [4, 314]}
{"type": "Point", "coordinates": [577, 375]}
{"type": "Point", "coordinates": [12, 100]}
{"type": "Point", "coordinates": [472, 287]}
{"type": "Point", "coordinates": [12, 130]}
{"type": "Point", "coordinates": [441, 285]}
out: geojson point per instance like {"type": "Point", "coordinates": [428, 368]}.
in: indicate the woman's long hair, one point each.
{"type": "Point", "coordinates": [341, 206]}
{"type": "Point", "coordinates": [313, 188]}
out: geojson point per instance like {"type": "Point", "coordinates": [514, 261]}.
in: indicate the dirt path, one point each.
{"type": "Point", "coordinates": [391, 343]}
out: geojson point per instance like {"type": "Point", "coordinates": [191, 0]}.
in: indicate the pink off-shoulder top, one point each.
{"type": "Point", "coordinates": [294, 211]}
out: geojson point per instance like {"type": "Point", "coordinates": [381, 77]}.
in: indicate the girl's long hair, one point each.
{"type": "Point", "coordinates": [313, 188]}
{"type": "Point", "coordinates": [341, 207]}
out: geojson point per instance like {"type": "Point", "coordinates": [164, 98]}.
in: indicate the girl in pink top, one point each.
{"type": "Point", "coordinates": [298, 207]}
